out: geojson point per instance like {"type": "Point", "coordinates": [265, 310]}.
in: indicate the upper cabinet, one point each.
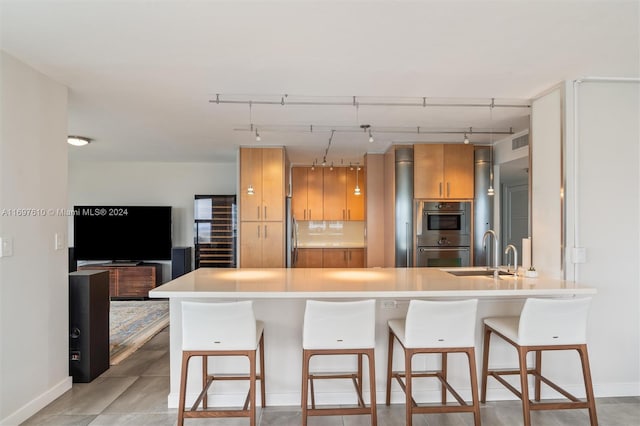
{"type": "Point", "coordinates": [355, 202]}
{"type": "Point", "coordinates": [335, 193]}
{"type": "Point", "coordinates": [443, 171]}
{"type": "Point", "coordinates": [306, 193]}
{"type": "Point", "coordinates": [262, 184]}
{"type": "Point", "coordinates": [327, 193]}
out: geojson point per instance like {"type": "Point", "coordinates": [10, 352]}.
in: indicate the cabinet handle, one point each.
{"type": "Point", "coordinates": [309, 214]}
{"type": "Point", "coordinates": [344, 253]}
{"type": "Point", "coordinates": [348, 214]}
{"type": "Point", "coordinates": [305, 214]}
{"type": "Point", "coordinates": [440, 185]}
{"type": "Point", "coordinates": [258, 231]}
{"type": "Point", "coordinates": [265, 232]}
{"type": "Point", "coordinates": [265, 212]}
{"type": "Point", "coordinates": [343, 214]}
{"type": "Point", "coordinates": [448, 190]}
{"type": "Point", "coordinates": [258, 212]}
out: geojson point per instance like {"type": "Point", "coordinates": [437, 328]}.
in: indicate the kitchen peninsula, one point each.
{"type": "Point", "coordinates": [279, 296]}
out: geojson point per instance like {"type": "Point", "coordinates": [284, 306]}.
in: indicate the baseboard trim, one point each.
{"type": "Point", "coordinates": [38, 403]}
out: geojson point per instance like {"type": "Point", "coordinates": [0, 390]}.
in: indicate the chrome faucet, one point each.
{"type": "Point", "coordinates": [513, 248]}
{"type": "Point", "coordinates": [489, 233]}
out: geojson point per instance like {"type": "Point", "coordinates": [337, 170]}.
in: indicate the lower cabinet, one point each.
{"type": "Point", "coordinates": [261, 245]}
{"type": "Point", "coordinates": [330, 258]}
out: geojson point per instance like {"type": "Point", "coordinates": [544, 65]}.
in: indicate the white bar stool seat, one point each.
{"type": "Point", "coordinates": [221, 329]}
{"type": "Point", "coordinates": [435, 327]}
{"type": "Point", "coordinates": [543, 325]}
{"type": "Point", "coordinates": [339, 328]}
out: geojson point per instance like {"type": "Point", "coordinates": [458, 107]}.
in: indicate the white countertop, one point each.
{"type": "Point", "coordinates": [331, 245]}
{"type": "Point", "coordinates": [288, 283]}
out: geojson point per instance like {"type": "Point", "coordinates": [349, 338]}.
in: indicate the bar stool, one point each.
{"type": "Point", "coordinates": [543, 325]}
{"type": "Point", "coordinates": [221, 329]}
{"type": "Point", "coordinates": [435, 327]}
{"type": "Point", "coordinates": [339, 328]}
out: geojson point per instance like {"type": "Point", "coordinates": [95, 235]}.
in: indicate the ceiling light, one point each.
{"type": "Point", "coordinates": [356, 190]}
{"type": "Point", "coordinates": [258, 138]}
{"type": "Point", "coordinates": [370, 137]}
{"type": "Point", "coordinates": [466, 139]}
{"type": "Point", "coordinates": [331, 168]}
{"type": "Point", "coordinates": [78, 140]}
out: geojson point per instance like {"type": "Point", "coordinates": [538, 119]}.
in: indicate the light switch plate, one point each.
{"type": "Point", "coordinates": [6, 246]}
{"type": "Point", "coordinates": [58, 241]}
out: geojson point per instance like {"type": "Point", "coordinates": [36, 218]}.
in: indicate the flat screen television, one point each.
{"type": "Point", "coordinates": [122, 233]}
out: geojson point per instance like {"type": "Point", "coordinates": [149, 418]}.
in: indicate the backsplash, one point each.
{"type": "Point", "coordinates": [318, 233]}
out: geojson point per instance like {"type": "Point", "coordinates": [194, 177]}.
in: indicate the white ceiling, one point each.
{"type": "Point", "coordinates": [141, 73]}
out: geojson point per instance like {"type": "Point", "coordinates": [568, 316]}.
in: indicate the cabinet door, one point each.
{"type": "Point", "coordinates": [335, 258]}
{"type": "Point", "coordinates": [136, 281]}
{"type": "Point", "coordinates": [272, 245]}
{"type": "Point", "coordinates": [251, 235]}
{"type": "Point", "coordinates": [272, 184]}
{"type": "Point", "coordinates": [299, 193]}
{"type": "Point", "coordinates": [355, 203]}
{"type": "Point", "coordinates": [458, 171]}
{"type": "Point", "coordinates": [428, 170]}
{"type": "Point", "coordinates": [315, 190]}
{"type": "Point", "coordinates": [250, 175]}
{"type": "Point", "coordinates": [356, 258]}
{"type": "Point", "coordinates": [335, 197]}
{"type": "Point", "coordinates": [309, 258]}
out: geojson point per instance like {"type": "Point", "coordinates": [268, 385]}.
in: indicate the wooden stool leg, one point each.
{"type": "Point", "coordinates": [183, 387]}
{"type": "Point", "coordinates": [263, 398]}
{"type": "Point", "coordinates": [485, 363]}
{"type": "Point", "coordinates": [408, 355]}
{"type": "Point", "coordinates": [444, 374]}
{"type": "Point", "coordinates": [205, 372]}
{"type": "Point", "coordinates": [305, 386]}
{"type": "Point", "coordinates": [389, 366]}
{"type": "Point", "coordinates": [586, 374]}
{"type": "Point", "coordinates": [360, 375]}
{"type": "Point", "coordinates": [471, 354]}
{"type": "Point", "coordinates": [252, 388]}
{"type": "Point", "coordinates": [372, 386]}
{"type": "Point", "coordinates": [526, 412]}
{"type": "Point", "coordinates": [538, 370]}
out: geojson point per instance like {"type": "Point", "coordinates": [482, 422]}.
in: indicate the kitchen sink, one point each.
{"type": "Point", "coordinates": [474, 272]}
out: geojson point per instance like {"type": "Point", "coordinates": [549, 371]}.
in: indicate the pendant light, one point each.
{"type": "Point", "coordinates": [356, 191]}
{"type": "Point", "coordinates": [491, 192]}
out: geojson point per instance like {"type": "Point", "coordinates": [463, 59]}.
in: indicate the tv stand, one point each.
{"type": "Point", "coordinates": [123, 263]}
{"type": "Point", "coordinates": [132, 280]}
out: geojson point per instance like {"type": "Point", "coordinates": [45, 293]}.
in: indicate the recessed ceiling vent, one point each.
{"type": "Point", "coordinates": [520, 142]}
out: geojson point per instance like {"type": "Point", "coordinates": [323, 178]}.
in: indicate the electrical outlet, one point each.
{"type": "Point", "coordinates": [389, 304]}
{"type": "Point", "coordinates": [6, 246]}
{"type": "Point", "coordinates": [579, 255]}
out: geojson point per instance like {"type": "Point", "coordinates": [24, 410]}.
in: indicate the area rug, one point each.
{"type": "Point", "coordinates": [132, 324]}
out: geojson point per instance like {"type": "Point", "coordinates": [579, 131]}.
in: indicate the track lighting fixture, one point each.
{"type": "Point", "coordinates": [356, 190]}
{"type": "Point", "coordinates": [466, 139]}
{"type": "Point", "coordinates": [78, 140]}
{"type": "Point", "coordinates": [370, 137]}
{"type": "Point", "coordinates": [491, 191]}
{"type": "Point", "coordinates": [258, 138]}
{"type": "Point", "coordinates": [331, 167]}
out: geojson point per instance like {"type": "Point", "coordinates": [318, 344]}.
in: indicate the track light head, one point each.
{"type": "Point", "coordinates": [466, 139]}
{"type": "Point", "coordinates": [258, 138]}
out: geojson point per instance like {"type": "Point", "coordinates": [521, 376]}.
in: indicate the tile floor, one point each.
{"type": "Point", "coordinates": [135, 393]}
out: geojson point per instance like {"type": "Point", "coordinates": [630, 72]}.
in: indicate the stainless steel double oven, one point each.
{"type": "Point", "coordinates": [443, 233]}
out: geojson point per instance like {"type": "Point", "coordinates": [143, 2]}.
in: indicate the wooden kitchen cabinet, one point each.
{"type": "Point", "coordinates": [307, 193]}
{"type": "Point", "coordinates": [343, 258]}
{"type": "Point", "coordinates": [355, 203]}
{"type": "Point", "coordinates": [262, 213]}
{"type": "Point", "coordinates": [309, 258]}
{"type": "Point", "coordinates": [263, 170]}
{"type": "Point", "coordinates": [335, 193]}
{"type": "Point", "coordinates": [261, 245]}
{"type": "Point", "coordinates": [443, 171]}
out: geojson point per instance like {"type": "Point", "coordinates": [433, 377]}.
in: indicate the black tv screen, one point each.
{"type": "Point", "coordinates": [122, 233]}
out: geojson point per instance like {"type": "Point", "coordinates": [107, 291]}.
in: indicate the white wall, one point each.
{"type": "Point", "coordinates": [33, 281]}
{"type": "Point", "coordinates": [150, 183]}
{"type": "Point", "coordinates": [607, 220]}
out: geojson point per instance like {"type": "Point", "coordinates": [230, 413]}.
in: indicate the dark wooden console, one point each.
{"type": "Point", "coordinates": [130, 281]}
